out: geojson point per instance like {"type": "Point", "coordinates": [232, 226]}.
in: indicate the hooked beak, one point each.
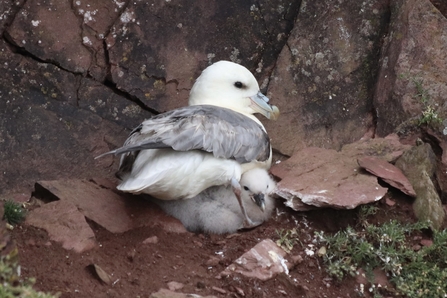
{"type": "Point", "coordinates": [259, 200]}
{"type": "Point", "coordinates": [259, 103]}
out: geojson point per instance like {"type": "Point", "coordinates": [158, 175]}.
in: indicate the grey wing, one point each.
{"type": "Point", "coordinates": [225, 133]}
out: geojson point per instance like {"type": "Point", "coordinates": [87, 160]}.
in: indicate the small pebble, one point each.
{"type": "Point", "coordinates": [174, 286]}
{"type": "Point", "coordinates": [151, 240]}
{"type": "Point", "coordinates": [426, 242]}
{"type": "Point", "coordinates": [199, 244]}
{"type": "Point", "coordinates": [30, 242]}
{"type": "Point", "coordinates": [240, 291]}
{"type": "Point", "coordinates": [297, 259]}
{"type": "Point", "coordinates": [213, 261]}
{"type": "Point", "coordinates": [417, 247]}
{"type": "Point", "coordinates": [220, 290]}
{"type": "Point", "coordinates": [390, 202]}
{"type": "Point", "coordinates": [131, 255]}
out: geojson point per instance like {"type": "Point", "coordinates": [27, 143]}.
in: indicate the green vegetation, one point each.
{"type": "Point", "coordinates": [14, 213]}
{"type": "Point", "coordinates": [12, 287]}
{"type": "Point", "coordinates": [413, 270]}
{"type": "Point", "coordinates": [286, 239]}
{"type": "Point", "coordinates": [414, 273]}
{"type": "Point", "coordinates": [429, 114]}
{"type": "Point", "coordinates": [421, 92]}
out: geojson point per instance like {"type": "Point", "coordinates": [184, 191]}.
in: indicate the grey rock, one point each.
{"type": "Point", "coordinates": [8, 9]}
{"type": "Point", "coordinates": [428, 206]}
{"type": "Point", "coordinates": [156, 51]}
{"type": "Point", "coordinates": [419, 165]}
{"type": "Point", "coordinates": [104, 102]}
{"type": "Point", "coordinates": [64, 224]}
{"type": "Point", "coordinates": [416, 160]}
{"type": "Point", "coordinates": [413, 53]}
{"type": "Point", "coordinates": [43, 134]}
{"type": "Point", "coordinates": [41, 29]}
{"type": "Point", "coordinates": [323, 77]}
{"type": "Point", "coordinates": [97, 18]}
{"type": "Point", "coordinates": [441, 174]}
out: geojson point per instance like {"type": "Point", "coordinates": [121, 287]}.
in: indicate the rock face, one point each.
{"type": "Point", "coordinates": [324, 76]}
{"type": "Point", "coordinates": [40, 28]}
{"type": "Point", "coordinates": [69, 93]}
{"type": "Point", "coordinates": [419, 165]}
{"type": "Point", "coordinates": [156, 51]}
{"type": "Point", "coordinates": [412, 73]}
{"type": "Point", "coordinates": [53, 123]}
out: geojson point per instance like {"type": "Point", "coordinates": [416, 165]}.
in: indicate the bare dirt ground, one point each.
{"type": "Point", "coordinates": [139, 269]}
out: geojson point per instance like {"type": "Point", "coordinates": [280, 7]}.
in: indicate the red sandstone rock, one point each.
{"type": "Point", "coordinates": [64, 224]}
{"type": "Point", "coordinates": [388, 172]}
{"type": "Point", "coordinates": [263, 261]}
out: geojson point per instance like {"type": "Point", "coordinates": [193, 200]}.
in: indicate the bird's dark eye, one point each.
{"type": "Point", "coordinates": [238, 85]}
{"type": "Point", "coordinates": [246, 188]}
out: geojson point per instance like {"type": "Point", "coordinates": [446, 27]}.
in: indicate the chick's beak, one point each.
{"type": "Point", "coordinates": [259, 103]}
{"type": "Point", "coordinates": [259, 200]}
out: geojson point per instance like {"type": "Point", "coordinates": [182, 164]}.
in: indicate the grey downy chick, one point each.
{"type": "Point", "coordinates": [216, 211]}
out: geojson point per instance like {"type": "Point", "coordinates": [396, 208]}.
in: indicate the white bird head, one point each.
{"type": "Point", "coordinates": [257, 184]}
{"type": "Point", "coordinates": [230, 85]}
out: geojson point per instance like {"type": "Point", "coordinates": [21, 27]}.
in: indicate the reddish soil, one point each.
{"type": "Point", "coordinates": [139, 269]}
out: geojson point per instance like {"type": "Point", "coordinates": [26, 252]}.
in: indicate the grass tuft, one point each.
{"type": "Point", "coordinates": [14, 213]}
{"type": "Point", "coordinates": [414, 273]}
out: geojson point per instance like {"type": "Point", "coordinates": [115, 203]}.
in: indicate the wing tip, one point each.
{"type": "Point", "coordinates": [106, 153]}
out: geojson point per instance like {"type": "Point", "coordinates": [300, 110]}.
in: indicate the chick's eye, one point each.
{"type": "Point", "coordinates": [238, 85]}
{"type": "Point", "coordinates": [246, 188]}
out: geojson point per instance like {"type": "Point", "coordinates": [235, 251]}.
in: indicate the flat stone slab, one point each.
{"type": "Point", "coordinates": [64, 224]}
{"type": "Point", "coordinates": [388, 172]}
{"type": "Point", "coordinates": [115, 212]}
{"type": "Point", "coordinates": [263, 261]}
{"type": "Point", "coordinates": [318, 177]}
{"type": "Point", "coordinates": [325, 178]}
